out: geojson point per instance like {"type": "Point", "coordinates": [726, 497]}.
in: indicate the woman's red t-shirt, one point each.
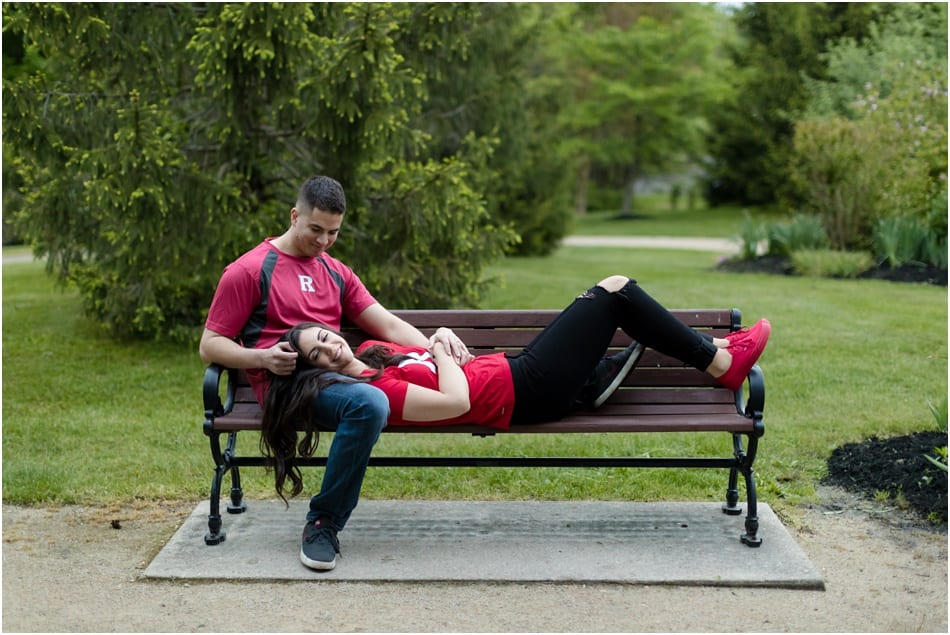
{"type": "Point", "coordinates": [491, 390]}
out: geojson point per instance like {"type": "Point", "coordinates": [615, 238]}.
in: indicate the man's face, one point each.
{"type": "Point", "coordinates": [314, 233]}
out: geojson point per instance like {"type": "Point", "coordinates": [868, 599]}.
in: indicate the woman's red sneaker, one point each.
{"type": "Point", "coordinates": [735, 336]}
{"type": "Point", "coordinates": [745, 347]}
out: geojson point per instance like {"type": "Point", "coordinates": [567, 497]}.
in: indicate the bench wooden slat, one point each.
{"type": "Point", "coordinates": [675, 417]}
{"type": "Point", "coordinates": [458, 318]}
{"type": "Point", "coordinates": [491, 340]}
{"type": "Point", "coordinates": [674, 421]}
{"type": "Point", "coordinates": [647, 388]}
{"type": "Point", "coordinates": [707, 399]}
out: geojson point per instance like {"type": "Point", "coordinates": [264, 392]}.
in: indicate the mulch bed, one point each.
{"type": "Point", "coordinates": [896, 466]}
{"type": "Point", "coordinates": [783, 266]}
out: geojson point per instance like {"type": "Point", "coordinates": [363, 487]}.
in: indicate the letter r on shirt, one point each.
{"type": "Point", "coordinates": [306, 284]}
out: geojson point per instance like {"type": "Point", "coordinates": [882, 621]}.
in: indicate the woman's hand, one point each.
{"type": "Point", "coordinates": [451, 345]}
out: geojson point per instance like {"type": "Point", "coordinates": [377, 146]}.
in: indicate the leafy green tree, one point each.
{"type": "Point", "coordinates": [874, 144]}
{"type": "Point", "coordinates": [641, 79]}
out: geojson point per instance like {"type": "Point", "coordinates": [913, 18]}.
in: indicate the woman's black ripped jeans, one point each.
{"type": "Point", "coordinates": [551, 371]}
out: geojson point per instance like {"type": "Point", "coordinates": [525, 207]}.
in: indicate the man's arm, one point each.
{"type": "Point", "coordinates": [383, 325]}
{"type": "Point", "coordinates": [215, 348]}
{"type": "Point", "coordinates": [380, 323]}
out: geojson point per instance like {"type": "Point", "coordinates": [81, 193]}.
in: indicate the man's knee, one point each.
{"type": "Point", "coordinates": [374, 401]}
{"type": "Point", "coordinates": [355, 407]}
{"type": "Point", "coordinates": [367, 405]}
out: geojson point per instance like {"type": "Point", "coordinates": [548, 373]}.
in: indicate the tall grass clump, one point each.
{"type": "Point", "coordinates": [801, 232]}
{"type": "Point", "coordinates": [900, 240]}
{"type": "Point", "coordinates": [752, 233]}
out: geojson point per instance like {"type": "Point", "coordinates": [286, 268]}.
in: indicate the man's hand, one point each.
{"type": "Point", "coordinates": [280, 359]}
{"type": "Point", "coordinates": [451, 344]}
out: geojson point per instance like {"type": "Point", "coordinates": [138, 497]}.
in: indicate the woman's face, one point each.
{"type": "Point", "coordinates": [322, 348]}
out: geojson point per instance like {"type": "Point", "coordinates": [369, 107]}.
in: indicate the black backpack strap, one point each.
{"type": "Point", "coordinates": [255, 324]}
{"type": "Point", "coordinates": [337, 278]}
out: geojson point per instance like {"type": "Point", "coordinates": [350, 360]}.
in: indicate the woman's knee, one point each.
{"type": "Point", "coordinates": [613, 283]}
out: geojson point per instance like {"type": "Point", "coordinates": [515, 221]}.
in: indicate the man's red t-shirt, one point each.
{"type": "Point", "coordinates": [265, 292]}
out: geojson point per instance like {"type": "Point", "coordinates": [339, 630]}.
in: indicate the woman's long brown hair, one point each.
{"type": "Point", "coordinates": [289, 408]}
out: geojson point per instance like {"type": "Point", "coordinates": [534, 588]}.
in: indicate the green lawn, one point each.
{"type": "Point", "coordinates": [653, 216]}
{"type": "Point", "coordinates": [92, 420]}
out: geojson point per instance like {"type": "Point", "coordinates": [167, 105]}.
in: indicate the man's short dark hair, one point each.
{"type": "Point", "coordinates": [322, 193]}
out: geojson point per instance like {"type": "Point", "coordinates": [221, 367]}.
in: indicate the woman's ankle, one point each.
{"type": "Point", "coordinates": [721, 362]}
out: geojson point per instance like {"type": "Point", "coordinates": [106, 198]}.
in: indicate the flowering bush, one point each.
{"type": "Point", "coordinates": [890, 160]}
{"type": "Point", "coordinates": [874, 143]}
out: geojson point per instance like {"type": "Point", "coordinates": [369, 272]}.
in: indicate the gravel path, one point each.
{"type": "Point", "coordinates": [69, 569]}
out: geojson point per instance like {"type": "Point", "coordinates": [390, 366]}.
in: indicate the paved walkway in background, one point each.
{"type": "Point", "coordinates": [718, 245]}
{"type": "Point", "coordinates": [25, 257]}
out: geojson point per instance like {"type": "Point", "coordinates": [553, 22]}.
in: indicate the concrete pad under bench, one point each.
{"type": "Point", "coordinates": [512, 541]}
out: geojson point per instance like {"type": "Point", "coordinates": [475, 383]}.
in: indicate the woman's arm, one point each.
{"type": "Point", "coordinates": [449, 401]}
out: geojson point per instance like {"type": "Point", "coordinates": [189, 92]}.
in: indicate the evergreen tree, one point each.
{"type": "Point", "coordinates": [152, 144]}
{"type": "Point", "coordinates": [752, 135]}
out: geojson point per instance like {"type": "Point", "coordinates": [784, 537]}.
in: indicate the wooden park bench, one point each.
{"type": "Point", "coordinates": [660, 395]}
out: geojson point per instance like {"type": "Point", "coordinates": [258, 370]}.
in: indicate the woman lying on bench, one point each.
{"type": "Point", "coordinates": [562, 366]}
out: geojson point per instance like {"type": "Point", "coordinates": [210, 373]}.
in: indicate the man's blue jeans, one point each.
{"type": "Point", "coordinates": [358, 413]}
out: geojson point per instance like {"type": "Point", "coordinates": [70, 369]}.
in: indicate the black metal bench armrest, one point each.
{"type": "Point", "coordinates": [211, 391]}
{"type": "Point", "coordinates": [754, 406]}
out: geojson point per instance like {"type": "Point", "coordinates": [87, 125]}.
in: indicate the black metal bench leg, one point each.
{"type": "Point", "coordinates": [751, 537]}
{"type": "Point", "coordinates": [732, 492]}
{"type": "Point", "coordinates": [215, 535]}
{"type": "Point", "coordinates": [732, 495]}
{"type": "Point", "coordinates": [237, 504]}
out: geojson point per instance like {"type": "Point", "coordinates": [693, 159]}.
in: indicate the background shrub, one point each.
{"type": "Point", "coordinates": [831, 263]}
{"type": "Point", "coordinates": [838, 166]}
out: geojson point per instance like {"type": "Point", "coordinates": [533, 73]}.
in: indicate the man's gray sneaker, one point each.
{"type": "Point", "coordinates": [609, 374]}
{"type": "Point", "coordinates": [319, 546]}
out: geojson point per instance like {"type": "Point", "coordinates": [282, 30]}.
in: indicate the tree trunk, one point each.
{"type": "Point", "coordinates": [626, 207]}
{"type": "Point", "coordinates": [580, 188]}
